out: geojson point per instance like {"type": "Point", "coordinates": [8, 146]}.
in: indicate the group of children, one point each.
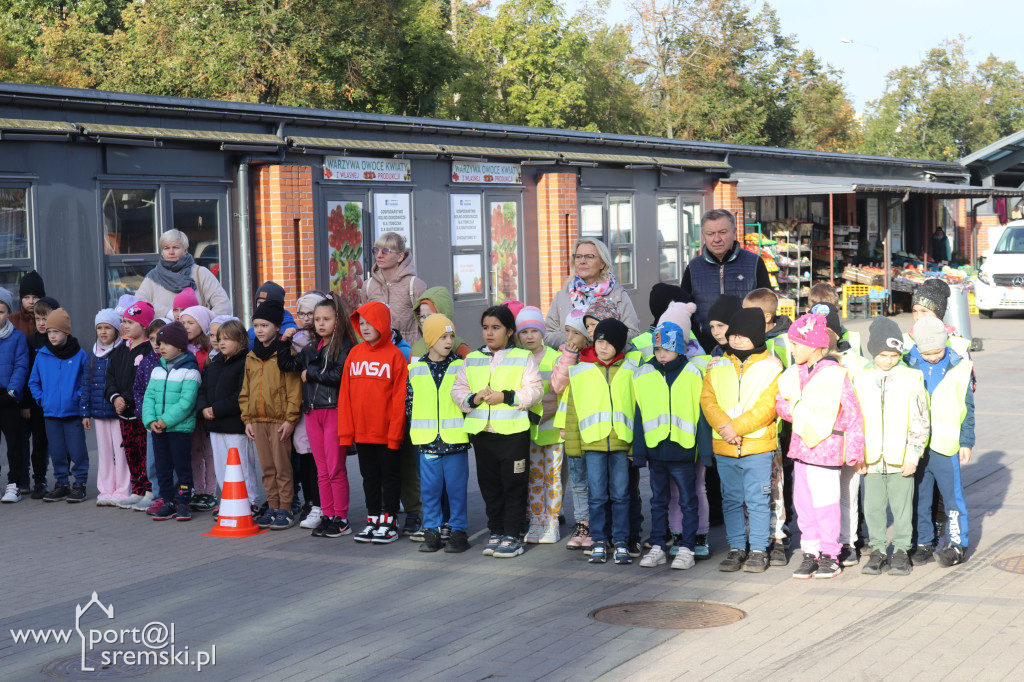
{"type": "Point", "coordinates": [788, 415]}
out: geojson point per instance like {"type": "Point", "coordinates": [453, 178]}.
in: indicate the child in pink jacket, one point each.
{"type": "Point", "coordinates": [817, 396]}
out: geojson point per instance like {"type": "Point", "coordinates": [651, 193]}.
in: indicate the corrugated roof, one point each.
{"type": "Point", "coordinates": [377, 145]}
{"type": "Point", "coordinates": [39, 126]}
{"type": "Point", "coordinates": [936, 189]}
{"type": "Point", "coordinates": [691, 163]}
{"type": "Point", "coordinates": [496, 151]}
{"type": "Point", "coordinates": [606, 158]}
{"type": "Point", "coordinates": [765, 185]}
{"type": "Point", "coordinates": [179, 134]}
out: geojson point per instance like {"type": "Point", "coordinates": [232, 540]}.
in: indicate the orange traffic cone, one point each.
{"type": "Point", "coordinates": [235, 517]}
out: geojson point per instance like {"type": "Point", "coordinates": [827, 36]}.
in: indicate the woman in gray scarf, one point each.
{"type": "Point", "coordinates": [177, 271]}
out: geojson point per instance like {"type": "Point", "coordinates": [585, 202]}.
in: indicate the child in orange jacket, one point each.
{"type": "Point", "coordinates": [371, 414]}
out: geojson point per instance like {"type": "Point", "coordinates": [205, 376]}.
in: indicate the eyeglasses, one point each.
{"type": "Point", "coordinates": [304, 315]}
{"type": "Point", "coordinates": [587, 257]}
{"type": "Point", "coordinates": [382, 251]}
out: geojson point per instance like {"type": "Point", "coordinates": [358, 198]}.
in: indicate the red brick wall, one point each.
{"type": "Point", "coordinates": [557, 227]}
{"type": "Point", "coordinates": [965, 235]}
{"type": "Point", "coordinates": [284, 248]}
{"type": "Point", "coordinates": [725, 197]}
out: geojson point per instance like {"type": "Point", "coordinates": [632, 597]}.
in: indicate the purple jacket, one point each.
{"type": "Point", "coordinates": [150, 361]}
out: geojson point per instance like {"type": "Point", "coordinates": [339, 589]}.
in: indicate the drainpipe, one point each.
{"type": "Point", "coordinates": [243, 228]}
{"type": "Point", "coordinates": [974, 232]}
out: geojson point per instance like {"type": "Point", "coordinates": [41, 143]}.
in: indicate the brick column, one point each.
{"type": "Point", "coordinates": [284, 240]}
{"type": "Point", "coordinates": [725, 197]}
{"type": "Point", "coordinates": [557, 226]}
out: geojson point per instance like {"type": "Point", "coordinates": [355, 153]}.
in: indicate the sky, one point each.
{"type": "Point", "coordinates": [886, 34]}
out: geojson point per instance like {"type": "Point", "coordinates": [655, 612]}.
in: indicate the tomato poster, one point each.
{"type": "Point", "coordinates": [345, 239]}
{"type": "Point", "coordinates": [352, 168]}
{"type": "Point", "coordinates": [504, 258]}
{"type": "Point", "coordinates": [469, 274]}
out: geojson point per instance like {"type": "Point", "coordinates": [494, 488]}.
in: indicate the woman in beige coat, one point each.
{"type": "Point", "coordinates": [393, 282]}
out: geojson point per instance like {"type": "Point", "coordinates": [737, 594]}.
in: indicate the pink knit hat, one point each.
{"type": "Point", "coordinates": [204, 316]}
{"type": "Point", "coordinates": [810, 330]}
{"type": "Point", "coordinates": [186, 298]}
{"type": "Point", "coordinates": [679, 313]}
{"type": "Point", "coordinates": [530, 317]}
{"type": "Point", "coordinates": [515, 306]}
{"type": "Point", "coordinates": [141, 312]}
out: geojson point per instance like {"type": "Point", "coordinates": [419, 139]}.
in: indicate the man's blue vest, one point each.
{"type": "Point", "coordinates": [709, 279]}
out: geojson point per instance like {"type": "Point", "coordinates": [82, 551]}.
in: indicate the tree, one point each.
{"type": "Point", "coordinates": [821, 114]}
{"type": "Point", "coordinates": [944, 108]}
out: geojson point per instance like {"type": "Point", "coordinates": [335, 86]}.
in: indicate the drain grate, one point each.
{"type": "Point", "coordinates": [71, 668]}
{"type": "Point", "coordinates": [1010, 564]}
{"type": "Point", "coordinates": [669, 615]}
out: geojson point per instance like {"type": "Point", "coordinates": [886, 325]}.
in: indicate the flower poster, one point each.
{"type": "Point", "coordinates": [504, 245]}
{"type": "Point", "coordinates": [345, 242]}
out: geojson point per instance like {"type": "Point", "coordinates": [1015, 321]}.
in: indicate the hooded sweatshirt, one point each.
{"type": "Point", "coordinates": [440, 300]}
{"type": "Point", "coordinates": [371, 406]}
{"type": "Point", "coordinates": [398, 292]}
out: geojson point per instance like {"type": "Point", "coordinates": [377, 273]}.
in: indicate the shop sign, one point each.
{"type": "Point", "coordinates": [487, 173]}
{"type": "Point", "coordinates": [467, 220]}
{"type": "Point", "coordinates": [391, 214]}
{"type": "Point", "coordinates": [354, 168]}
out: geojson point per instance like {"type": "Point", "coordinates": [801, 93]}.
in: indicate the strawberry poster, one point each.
{"type": "Point", "coordinates": [504, 243]}
{"type": "Point", "coordinates": [345, 241]}
{"type": "Point", "coordinates": [353, 168]}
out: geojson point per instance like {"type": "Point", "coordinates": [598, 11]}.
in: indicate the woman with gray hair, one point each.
{"type": "Point", "coordinates": [177, 271]}
{"type": "Point", "coordinates": [592, 278]}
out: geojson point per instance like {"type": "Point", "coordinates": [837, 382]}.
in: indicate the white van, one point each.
{"type": "Point", "coordinates": [1000, 283]}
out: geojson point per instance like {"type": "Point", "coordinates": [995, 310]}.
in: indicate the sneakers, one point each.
{"type": "Point", "coordinates": [655, 557]}
{"type": "Point", "coordinates": [684, 559]}
{"type": "Point", "coordinates": [702, 550]}
{"type": "Point", "coordinates": [77, 493]}
{"type": "Point", "coordinates": [777, 554]}
{"type": "Point", "coordinates": [457, 543]}
{"type": "Point", "coordinates": [366, 534]}
{"type": "Point", "coordinates": [534, 533]}
{"type": "Point", "coordinates": [733, 561]}
{"type": "Point", "coordinates": [283, 520]}
{"type": "Point", "coordinates": [492, 544]}
{"type": "Point", "coordinates": [828, 567]}
{"type": "Point", "coordinates": [387, 531]}
{"type": "Point", "coordinates": [511, 546]}
{"type": "Point", "coordinates": [154, 506]}
{"type": "Point", "coordinates": [900, 564]}
{"type": "Point", "coordinates": [39, 491]}
{"type": "Point", "coordinates": [633, 547]}
{"type": "Point", "coordinates": [951, 555]}
{"type": "Point", "coordinates": [921, 555]}
{"type": "Point", "coordinates": [549, 534]}
{"type": "Point", "coordinates": [808, 567]}
{"type": "Point", "coordinates": [848, 556]}
{"type": "Point", "coordinates": [128, 502]}
{"type": "Point", "coordinates": [183, 512]}
{"type": "Point", "coordinates": [580, 532]}
{"type": "Point", "coordinates": [143, 504]}
{"type": "Point", "coordinates": [623, 554]}
{"type": "Point", "coordinates": [265, 519]}
{"type": "Point", "coordinates": [12, 494]}
{"type": "Point", "coordinates": [321, 528]}
{"type": "Point", "coordinates": [417, 536]}
{"type": "Point", "coordinates": [757, 561]}
{"type": "Point", "coordinates": [431, 540]}
{"type": "Point", "coordinates": [598, 553]}
{"type": "Point", "coordinates": [877, 563]}
{"type": "Point", "coordinates": [338, 527]}
{"type": "Point", "coordinates": [203, 502]}
{"type": "Point", "coordinates": [413, 524]}
{"type": "Point", "coordinates": [446, 533]}
{"type": "Point", "coordinates": [312, 519]}
{"type": "Point", "coordinates": [60, 492]}
{"type": "Point", "coordinates": [166, 512]}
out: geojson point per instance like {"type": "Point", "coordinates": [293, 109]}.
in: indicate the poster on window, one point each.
{"type": "Point", "coordinates": [896, 227]}
{"type": "Point", "coordinates": [872, 211]}
{"type": "Point", "coordinates": [353, 168]}
{"type": "Point", "coordinates": [345, 245]}
{"type": "Point", "coordinates": [469, 274]}
{"type": "Point", "coordinates": [768, 209]}
{"type": "Point", "coordinates": [467, 220]}
{"type": "Point", "coordinates": [487, 172]}
{"type": "Point", "coordinates": [504, 245]}
{"type": "Point", "coordinates": [391, 214]}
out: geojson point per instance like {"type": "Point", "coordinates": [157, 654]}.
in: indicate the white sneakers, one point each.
{"type": "Point", "coordinates": [684, 558]}
{"type": "Point", "coordinates": [11, 494]}
{"type": "Point", "coordinates": [534, 533]}
{"type": "Point", "coordinates": [313, 519]}
{"type": "Point", "coordinates": [655, 557]}
{"type": "Point", "coordinates": [143, 504]}
{"type": "Point", "coordinates": [129, 501]}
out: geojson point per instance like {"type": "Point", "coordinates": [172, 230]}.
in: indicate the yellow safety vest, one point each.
{"type": "Point", "coordinates": [545, 433]}
{"type": "Point", "coordinates": [887, 415]}
{"type": "Point", "coordinates": [815, 417]}
{"type": "Point", "coordinates": [779, 347]}
{"type": "Point", "coordinates": [852, 338]}
{"type": "Point", "coordinates": [669, 412]}
{"type": "Point", "coordinates": [700, 362]}
{"type": "Point", "coordinates": [949, 408]}
{"type": "Point", "coordinates": [600, 406]}
{"type": "Point", "coordinates": [433, 410]}
{"type": "Point", "coordinates": [507, 376]}
{"type": "Point", "coordinates": [737, 393]}
{"type": "Point", "coordinates": [643, 348]}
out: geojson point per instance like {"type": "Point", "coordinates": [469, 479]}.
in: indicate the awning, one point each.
{"type": "Point", "coordinates": [146, 133]}
{"type": "Point", "coordinates": [495, 151]}
{"type": "Point", "coordinates": [23, 125]}
{"type": "Point", "coordinates": [937, 190]}
{"type": "Point", "coordinates": [767, 185]}
{"type": "Point", "coordinates": [691, 163]}
{"type": "Point", "coordinates": [607, 158]}
{"type": "Point", "coordinates": [331, 143]}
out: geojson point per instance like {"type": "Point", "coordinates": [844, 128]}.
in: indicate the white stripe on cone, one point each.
{"type": "Point", "coordinates": [234, 508]}
{"type": "Point", "coordinates": [233, 473]}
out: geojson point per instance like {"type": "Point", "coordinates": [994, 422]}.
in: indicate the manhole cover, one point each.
{"type": "Point", "coordinates": [669, 615]}
{"type": "Point", "coordinates": [71, 668]}
{"type": "Point", "coordinates": [1011, 564]}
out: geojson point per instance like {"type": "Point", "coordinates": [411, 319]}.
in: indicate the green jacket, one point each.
{"type": "Point", "coordinates": [441, 300]}
{"type": "Point", "coordinates": [171, 394]}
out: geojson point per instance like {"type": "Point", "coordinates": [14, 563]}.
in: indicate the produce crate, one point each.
{"type": "Point", "coordinates": [859, 291]}
{"type": "Point", "coordinates": [972, 307]}
{"type": "Point", "coordinates": [788, 309]}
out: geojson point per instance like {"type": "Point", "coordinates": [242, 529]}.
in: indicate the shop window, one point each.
{"type": "Point", "coordinates": [485, 264]}
{"type": "Point", "coordinates": [129, 221]}
{"type": "Point", "coordinates": [15, 255]}
{"type": "Point", "coordinates": [611, 221]}
{"type": "Point", "coordinates": [678, 236]}
{"type": "Point", "coordinates": [199, 219]}
{"type": "Point", "coordinates": [467, 240]}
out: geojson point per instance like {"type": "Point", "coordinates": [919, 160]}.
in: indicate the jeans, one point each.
{"type": "Point", "coordinates": [578, 483]}
{"type": "Point", "coordinates": [608, 479]}
{"type": "Point", "coordinates": [746, 481]}
{"type": "Point", "coordinates": [683, 474]}
{"type": "Point", "coordinates": [66, 438]}
{"type": "Point", "coordinates": [151, 474]}
{"type": "Point", "coordinates": [440, 474]}
{"type": "Point", "coordinates": [935, 469]}
{"type": "Point", "coordinates": [173, 454]}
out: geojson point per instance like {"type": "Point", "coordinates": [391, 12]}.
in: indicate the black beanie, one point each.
{"type": "Point", "coordinates": [661, 295]}
{"type": "Point", "coordinates": [831, 315]}
{"type": "Point", "coordinates": [50, 301]}
{"type": "Point", "coordinates": [31, 284]}
{"type": "Point", "coordinates": [612, 331]}
{"type": "Point", "coordinates": [270, 310]}
{"type": "Point", "coordinates": [884, 335]}
{"type": "Point", "coordinates": [748, 322]}
{"type": "Point", "coordinates": [273, 290]}
{"type": "Point", "coordinates": [173, 334]}
{"type": "Point", "coordinates": [725, 307]}
{"type": "Point", "coordinates": [933, 294]}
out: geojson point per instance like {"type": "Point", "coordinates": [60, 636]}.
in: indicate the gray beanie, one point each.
{"type": "Point", "coordinates": [8, 298]}
{"type": "Point", "coordinates": [933, 294]}
{"type": "Point", "coordinates": [883, 336]}
{"type": "Point", "coordinates": [929, 333]}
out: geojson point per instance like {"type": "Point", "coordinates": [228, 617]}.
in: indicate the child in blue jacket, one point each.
{"type": "Point", "coordinates": [56, 385]}
{"type": "Point", "coordinates": [112, 477]}
{"type": "Point", "coordinates": [13, 374]}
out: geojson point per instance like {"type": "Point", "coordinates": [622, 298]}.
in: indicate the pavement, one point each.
{"type": "Point", "coordinates": [286, 606]}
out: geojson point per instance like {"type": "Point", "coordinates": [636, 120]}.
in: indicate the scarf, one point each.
{"type": "Point", "coordinates": [581, 293]}
{"type": "Point", "coordinates": [99, 350]}
{"type": "Point", "coordinates": [7, 329]}
{"type": "Point", "coordinates": [175, 276]}
{"type": "Point", "coordinates": [744, 354]}
{"type": "Point", "coordinates": [264, 353]}
{"type": "Point", "coordinates": [67, 351]}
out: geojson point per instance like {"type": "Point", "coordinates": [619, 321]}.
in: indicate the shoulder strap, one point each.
{"type": "Point", "coordinates": [199, 286]}
{"type": "Point", "coordinates": [412, 296]}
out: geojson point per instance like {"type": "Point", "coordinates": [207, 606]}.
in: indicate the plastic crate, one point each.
{"type": "Point", "coordinates": [859, 291]}
{"type": "Point", "coordinates": [788, 309]}
{"type": "Point", "coordinates": [972, 307]}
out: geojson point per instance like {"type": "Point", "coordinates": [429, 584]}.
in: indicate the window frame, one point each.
{"type": "Point", "coordinates": [684, 220]}
{"type": "Point", "coordinates": [28, 262]}
{"type": "Point", "coordinates": [605, 200]}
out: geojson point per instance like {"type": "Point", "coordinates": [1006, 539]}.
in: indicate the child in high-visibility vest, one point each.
{"type": "Point", "coordinates": [948, 377]}
{"type": "Point", "coordinates": [894, 402]}
{"type": "Point", "coordinates": [641, 348]}
{"type": "Point", "coordinates": [817, 397]}
{"type": "Point", "coordinates": [598, 409]}
{"type": "Point", "coordinates": [724, 307]}
{"type": "Point", "coordinates": [437, 433]}
{"type": "Point", "coordinates": [496, 386]}
{"type": "Point", "coordinates": [545, 496]}
{"type": "Point", "coordinates": [775, 325]}
{"type": "Point", "coordinates": [669, 432]}
{"type": "Point", "coordinates": [849, 341]}
{"type": "Point", "coordinates": [738, 400]}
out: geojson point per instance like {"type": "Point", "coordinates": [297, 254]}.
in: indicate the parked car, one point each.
{"type": "Point", "coordinates": [1000, 283]}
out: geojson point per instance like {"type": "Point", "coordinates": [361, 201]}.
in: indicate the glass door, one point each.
{"type": "Point", "coordinates": [202, 216]}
